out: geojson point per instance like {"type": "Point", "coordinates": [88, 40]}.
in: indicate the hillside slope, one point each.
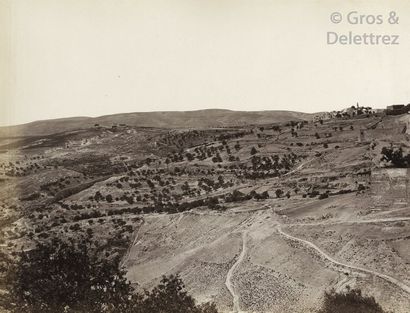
{"type": "Point", "coordinates": [255, 219]}
{"type": "Point", "coordinates": [195, 119]}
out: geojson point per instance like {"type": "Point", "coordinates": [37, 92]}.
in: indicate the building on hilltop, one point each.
{"type": "Point", "coordinates": [397, 109]}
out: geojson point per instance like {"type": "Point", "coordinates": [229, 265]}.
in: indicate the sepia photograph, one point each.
{"type": "Point", "coordinates": [214, 156]}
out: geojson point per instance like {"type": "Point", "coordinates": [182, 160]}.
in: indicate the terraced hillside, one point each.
{"type": "Point", "coordinates": [260, 217]}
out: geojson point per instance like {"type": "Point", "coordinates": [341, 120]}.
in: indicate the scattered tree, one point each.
{"type": "Point", "coordinates": [279, 193]}
{"type": "Point", "coordinates": [396, 157]}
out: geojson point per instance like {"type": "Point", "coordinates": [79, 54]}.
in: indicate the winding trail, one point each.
{"type": "Point", "coordinates": [246, 226]}
{"type": "Point", "coordinates": [390, 279]}
{"type": "Point", "coordinates": [228, 281]}
{"type": "Point", "coordinates": [369, 221]}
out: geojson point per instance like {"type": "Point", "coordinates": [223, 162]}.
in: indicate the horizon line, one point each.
{"type": "Point", "coordinates": [167, 111]}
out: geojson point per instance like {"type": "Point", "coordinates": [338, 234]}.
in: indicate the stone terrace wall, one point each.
{"type": "Point", "coordinates": [391, 184]}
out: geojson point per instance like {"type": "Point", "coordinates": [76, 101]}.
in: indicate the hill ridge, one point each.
{"type": "Point", "coordinates": [161, 119]}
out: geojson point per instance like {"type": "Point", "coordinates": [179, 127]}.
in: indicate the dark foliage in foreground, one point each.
{"type": "Point", "coordinates": [64, 277]}
{"type": "Point", "coordinates": [351, 301]}
{"type": "Point", "coordinates": [170, 297]}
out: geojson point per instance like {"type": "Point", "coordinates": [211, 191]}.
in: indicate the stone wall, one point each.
{"type": "Point", "coordinates": [391, 184]}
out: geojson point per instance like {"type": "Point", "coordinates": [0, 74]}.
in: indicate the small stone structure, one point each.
{"type": "Point", "coordinates": [361, 137]}
{"type": "Point", "coordinates": [391, 185]}
{"type": "Point", "coordinates": [405, 122]}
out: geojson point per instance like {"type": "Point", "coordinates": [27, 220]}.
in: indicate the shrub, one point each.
{"type": "Point", "coordinates": [395, 156]}
{"type": "Point", "coordinates": [170, 297]}
{"type": "Point", "coordinates": [323, 196]}
{"type": "Point", "coordinates": [109, 198]}
{"type": "Point", "coordinates": [351, 301]}
{"type": "Point", "coordinates": [279, 193]}
{"type": "Point", "coordinates": [314, 193]}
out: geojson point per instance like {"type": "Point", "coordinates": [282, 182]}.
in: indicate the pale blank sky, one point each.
{"type": "Point", "coordinates": [95, 57]}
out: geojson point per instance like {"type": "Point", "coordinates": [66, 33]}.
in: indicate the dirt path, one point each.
{"type": "Point", "coordinates": [392, 280]}
{"type": "Point", "coordinates": [228, 281]}
{"type": "Point", "coordinates": [300, 166]}
{"type": "Point", "coordinates": [134, 243]}
{"type": "Point", "coordinates": [369, 221]}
